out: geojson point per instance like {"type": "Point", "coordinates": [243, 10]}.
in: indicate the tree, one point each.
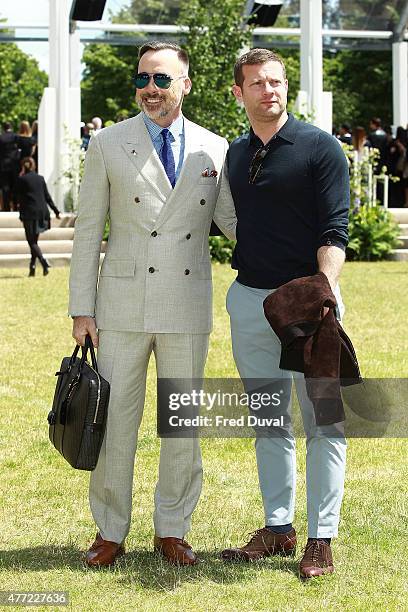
{"type": "Point", "coordinates": [150, 11]}
{"type": "Point", "coordinates": [106, 87]}
{"type": "Point", "coordinates": [21, 85]}
{"type": "Point", "coordinates": [361, 81]}
{"type": "Point", "coordinates": [214, 41]}
{"type": "Point", "coordinates": [350, 14]}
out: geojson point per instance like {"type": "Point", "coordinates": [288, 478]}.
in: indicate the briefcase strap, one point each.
{"type": "Point", "coordinates": [88, 347]}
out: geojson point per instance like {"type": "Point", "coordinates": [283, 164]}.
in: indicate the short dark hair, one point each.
{"type": "Point", "coordinates": [159, 45]}
{"type": "Point", "coordinates": [346, 126]}
{"type": "Point", "coordinates": [376, 121]}
{"type": "Point", "coordinates": [253, 57]}
{"type": "Point", "coordinates": [6, 126]}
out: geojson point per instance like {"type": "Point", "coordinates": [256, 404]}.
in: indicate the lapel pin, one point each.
{"type": "Point", "coordinates": [213, 173]}
{"type": "Point", "coordinates": [133, 152]}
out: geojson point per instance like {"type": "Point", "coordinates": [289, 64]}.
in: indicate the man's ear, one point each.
{"type": "Point", "coordinates": [237, 91]}
{"type": "Point", "coordinates": [187, 86]}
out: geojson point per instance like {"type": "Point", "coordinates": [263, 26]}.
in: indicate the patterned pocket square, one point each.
{"type": "Point", "coordinates": [209, 173]}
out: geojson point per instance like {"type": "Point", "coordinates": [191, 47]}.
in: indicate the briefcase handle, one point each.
{"type": "Point", "coordinates": [88, 347]}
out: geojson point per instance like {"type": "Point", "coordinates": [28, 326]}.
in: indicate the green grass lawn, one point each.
{"type": "Point", "coordinates": [45, 521]}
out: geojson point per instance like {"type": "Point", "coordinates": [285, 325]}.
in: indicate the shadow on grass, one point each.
{"type": "Point", "coordinates": [16, 277]}
{"type": "Point", "coordinates": [40, 558]}
{"type": "Point", "coordinates": [155, 574]}
{"type": "Point", "coordinates": [144, 567]}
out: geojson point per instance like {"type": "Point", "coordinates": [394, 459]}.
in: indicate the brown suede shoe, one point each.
{"type": "Point", "coordinates": [175, 550]}
{"type": "Point", "coordinates": [263, 543]}
{"type": "Point", "coordinates": [103, 553]}
{"type": "Point", "coordinates": [317, 559]}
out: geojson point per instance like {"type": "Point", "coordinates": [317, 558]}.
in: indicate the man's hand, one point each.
{"type": "Point", "coordinates": [83, 326]}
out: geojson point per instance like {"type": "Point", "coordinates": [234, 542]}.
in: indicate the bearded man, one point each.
{"type": "Point", "coordinates": [158, 176]}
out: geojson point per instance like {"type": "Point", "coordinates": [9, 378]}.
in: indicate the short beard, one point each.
{"type": "Point", "coordinates": [159, 114]}
{"type": "Point", "coordinates": [166, 109]}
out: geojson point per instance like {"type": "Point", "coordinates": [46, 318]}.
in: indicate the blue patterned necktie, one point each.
{"type": "Point", "coordinates": [167, 157]}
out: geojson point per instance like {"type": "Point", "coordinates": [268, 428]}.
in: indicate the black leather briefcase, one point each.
{"type": "Point", "coordinates": [77, 420]}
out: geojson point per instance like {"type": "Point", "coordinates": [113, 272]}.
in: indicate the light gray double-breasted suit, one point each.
{"type": "Point", "coordinates": [154, 294]}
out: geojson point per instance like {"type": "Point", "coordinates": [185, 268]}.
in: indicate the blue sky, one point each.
{"type": "Point", "coordinates": [36, 11]}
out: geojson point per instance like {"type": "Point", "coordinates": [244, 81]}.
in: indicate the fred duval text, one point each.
{"type": "Point", "coordinates": [221, 421]}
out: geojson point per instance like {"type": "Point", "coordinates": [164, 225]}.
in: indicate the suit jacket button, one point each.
{"type": "Point", "coordinates": [137, 200]}
{"type": "Point", "coordinates": [154, 234]}
{"type": "Point", "coordinates": [186, 272]}
{"type": "Point", "coordinates": [202, 202]}
{"type": "Point", "coordinates": [188, 236]}
{"type": "Point", "coordinates": [151, 270]}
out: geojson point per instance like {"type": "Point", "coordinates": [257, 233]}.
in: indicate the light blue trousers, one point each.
{"type": "Point", "coordinates": [256, 350]}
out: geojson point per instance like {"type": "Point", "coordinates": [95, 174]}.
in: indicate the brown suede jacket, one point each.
{"type": "Point", "coordinates": [313, 344]}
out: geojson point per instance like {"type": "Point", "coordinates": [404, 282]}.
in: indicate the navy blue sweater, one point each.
{"type": "Point", "coordinates": [298, 203]}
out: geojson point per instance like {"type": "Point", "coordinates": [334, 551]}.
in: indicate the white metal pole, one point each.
{"type": "Point", "coordinates": [400, 83]}
{"type": "Point", "coordinates": [386, 187]}
{"type": "Point", "coordinates": [311, 56]}
{"type": "Point", "coordinates": [59, 79]}
{"type": "Point", "coordinates": [370, 185]}
{"type": "Point", "coordinates": [75, 58]}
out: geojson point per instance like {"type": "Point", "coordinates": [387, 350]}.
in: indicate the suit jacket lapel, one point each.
{"type": "Point", "coordinates": [193, 159]}
{"type": "Point", "coordinates": [140, 150]}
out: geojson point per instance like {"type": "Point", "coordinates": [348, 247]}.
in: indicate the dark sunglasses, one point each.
{"type": "Point", "coordinates": [163, 81]}
{"type": "Point", "coordinates": [255, 166]}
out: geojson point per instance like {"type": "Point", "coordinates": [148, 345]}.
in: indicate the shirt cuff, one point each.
{"type": "Point", "coordinates": [333, 241]}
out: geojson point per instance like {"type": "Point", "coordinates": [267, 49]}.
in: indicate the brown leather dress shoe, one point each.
{"type": "Point", "coordinates": [103, 553]}
{"type": "Point", "coordinates": [317, 559]}
{"type": "Point", "coordinates": [175, 550]}
{"type": "Point", "coordinates": [263, 543]}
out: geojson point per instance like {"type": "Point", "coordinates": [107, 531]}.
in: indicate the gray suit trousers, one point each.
{"type": "Point", "coordinates": [123, 359]}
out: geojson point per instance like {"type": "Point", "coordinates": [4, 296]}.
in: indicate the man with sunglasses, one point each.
{"type": "Point", "coordinates": [289, 181]}
{"type": "Point", "coordinates": [158, 176]}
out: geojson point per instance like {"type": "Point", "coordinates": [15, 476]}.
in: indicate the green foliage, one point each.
{"type": "Point", "coordinates": [361, 82]}
{"type": "Point", "coordinates": [221, 249]}
{"type": "Point", "coordinates": [21, 85]}
{"type": "Point", "coordinates": [106, 230]}
{"type": "Point", "coordinates": [150, 11]}
{"type": "Point", "coordinates": [361, 175]}
{"type": "Point", "coordinates": [214, 41]}
{"type": "Point", "coordinates": [373, 234]}
{"type": "Point", "coordinates": [72, 175]}
{"type": "Point", "coordinates": [106, 87]}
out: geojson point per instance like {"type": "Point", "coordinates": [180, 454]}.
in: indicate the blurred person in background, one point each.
{"type": "Point", "coordinates": [401, 166]}
{"type": "Point", "coordinates": [34, 136]}
{"type": "Point", "coordinates": [25, 140]}
{"type": "Point", "coordinates": [345, 133]}
{"type": "Point", "coordinates": [33, 199]}
{"type": "Point", "coordinates": [86, 135]}
{"type": "Point", "coordinates": [360, 142]}
{"type": "Point", "coordinates": [377, 139]}
{"type": "Point", "coordinates": [97, 124]}
{"type": "Point", "coordinates": [9, 158]}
